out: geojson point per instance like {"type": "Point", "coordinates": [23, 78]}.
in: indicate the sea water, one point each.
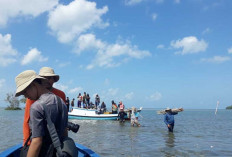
{"type": "Point", "coordinates": [196, 133]}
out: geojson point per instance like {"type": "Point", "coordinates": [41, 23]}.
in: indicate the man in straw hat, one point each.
{"type": "Point", "coordinates": [50, 75]}
{"type": "Point", "coordinates": [169, 119]}
{"type": "Point", "coordinates": [30, 85]}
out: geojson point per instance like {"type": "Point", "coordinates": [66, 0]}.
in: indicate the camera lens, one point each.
{"type": "Point", "coordinates": [73, 127]}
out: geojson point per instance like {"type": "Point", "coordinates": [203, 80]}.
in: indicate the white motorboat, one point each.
{"type": "Point", "coordinates": [82, 113]}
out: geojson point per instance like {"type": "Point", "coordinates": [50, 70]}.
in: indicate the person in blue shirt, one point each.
{"type": "Point", "coordinates": [169, 119]}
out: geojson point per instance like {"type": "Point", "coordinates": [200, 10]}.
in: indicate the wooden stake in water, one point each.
{"type": "Point", "coordinates": [216, 107]}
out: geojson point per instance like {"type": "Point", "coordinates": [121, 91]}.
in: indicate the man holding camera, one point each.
{"type": "Point", "coordinates": [50, 75]}
{"type": "Point", "coordinates": [42, 110]}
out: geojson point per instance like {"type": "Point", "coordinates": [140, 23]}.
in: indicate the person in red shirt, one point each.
{"type": "Point", "coordinates": [50, 75]}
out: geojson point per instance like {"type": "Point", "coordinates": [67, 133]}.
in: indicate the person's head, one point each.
{"type": "Point", "coordinates": [50, 75]}
{"type": "Point", "coordinates": [67, 97]}
{"type": "Point", "coordinates": [112, 101]}
{"type": "Point", "coordinates": [133, 109]}
{"type": "Point", "coordinates": [28, 83]}
{"type": "Point", "coordinates": [79, 94]}
{"type": "Point", "coordinates": [168, 109]}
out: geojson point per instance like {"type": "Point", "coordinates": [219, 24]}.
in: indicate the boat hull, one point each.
{"type": "Point", "coordinates": [15, 151]}
{"type": "Point", "coordinates": [92, 118]}
{"type": "Point", "coordinates": [81, 113]}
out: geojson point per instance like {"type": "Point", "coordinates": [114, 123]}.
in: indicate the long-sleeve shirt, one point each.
{"type": "Point", "coordinates": [169, 118]}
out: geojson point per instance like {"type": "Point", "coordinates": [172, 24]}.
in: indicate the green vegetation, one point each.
{"type": "Point", "coordinates": [23, 100]}
{"type": "Point", "coordinates": [13, 101]}
{"type": "Point", "coordinates": [229, 107]}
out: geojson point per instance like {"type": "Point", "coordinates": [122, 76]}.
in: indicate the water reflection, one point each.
{"type": "Point", "coordinates": [170, 140]}
{"type": "Point", "coordinates": [169, 150]}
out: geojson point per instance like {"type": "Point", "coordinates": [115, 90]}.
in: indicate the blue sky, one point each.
{"type": "Point", "coordinates": [150, 53]}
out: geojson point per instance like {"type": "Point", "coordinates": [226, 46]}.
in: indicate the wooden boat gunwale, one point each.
{"type": "Point", "coordinates": [14, 151]}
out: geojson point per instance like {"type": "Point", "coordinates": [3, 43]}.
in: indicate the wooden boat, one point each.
{"type": "Point", "coordinates": [15, 151]}
{"type": "Point", "coordinates": [82, 113]}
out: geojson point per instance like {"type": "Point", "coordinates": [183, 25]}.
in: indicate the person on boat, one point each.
{"type": "Point", "coordinates": [121, 106]}
{"type": "Point", "coordinates": [88, 100]}
{"type": "Point", "coordinates": [79, 100]}
{"type": "Point", "coordinates": [50, 75]}
{"type": "Point", "coordinates": [134, 117]}
{"type": "Point", "coordinates": [121, 116]}
{"type": "Point", "coordinates": [30, 85]}
{"type": "Point", "coordinates": [84, 100]}
{"type": "Point", "coordinates": [91, 105]}
{"type": "Point", "coordinates": [99, 109]}
{"type": "Point", "coordinates": [103, 107]}
{"type": "Point", "coordinates": [114, 107]}
{"type": "Point", "coordinates": [169, 119]}
{"type": "Point", "coordinates": [67, 102]}
{"type": "Point", "coordinates": [72, 103]}
{"type": "Point", "coordinates": [97, 100]}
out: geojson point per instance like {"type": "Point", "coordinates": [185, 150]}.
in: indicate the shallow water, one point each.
{"type": "Point", "coordinates": [196, 133]}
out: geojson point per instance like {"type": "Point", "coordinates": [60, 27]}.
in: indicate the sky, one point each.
{"type": "Point", "coordinates": [149, 53]}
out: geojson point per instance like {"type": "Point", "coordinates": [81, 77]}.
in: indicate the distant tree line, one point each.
{"type": "Point", "coordinates": [13, 101]}
{"type": "Point", "coordinates": [229, 107]}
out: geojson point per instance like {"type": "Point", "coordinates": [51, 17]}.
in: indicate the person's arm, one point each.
{"type": "Point", "coordinates": [26, 128]}
{"type": "Point", "coordinates": [38, 131]}
{"type": "Point", "coordinates": [35, 147]}
{"type": "Point", "coordinates": [174, 113]}
{"type": "Point", "coordinates": [165, 119]}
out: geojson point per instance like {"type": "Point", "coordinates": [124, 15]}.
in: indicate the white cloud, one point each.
{"type": "Point", "coordinates": [107, 82]}
{"type": "Point", "coordinates": [230, 50]}
{"type": "Point", "coordinates": [75, 90]}
{"type": "Point", "coordinates": [129, 96]}
{"type": "Point", "coordinates": [113, 91]}
{"type": "Point", "coordinates": [212, 6]}
{"type": "Point", "coordinates": [216, 59]}
{"type": "Point", "coordinates": [108, 55]}
{"type": "Point", "coordinates": [133, 2]}
{"type": "Point", "coordinates": [64, 64]}
{"type": "Point", "coordinates": [19, 8]}
{"type": "Point", "coordinates": [160, 46]}
{"type": "Point", "coordinates": [177, 1]}
{"type": "Point", "coordinates": [7, 53]}
{"type": "Point", "coordinates": [154, 16]}
{"type": "Point", "coordinates": [159, 1]}
{"type": "Point", "coordinates": [88, 41]}
{"type": "Point", "coordinates": [60, 86]}
{"type": "Point", "coordinates": [2, 82]}
{"type": "Point", "coordinates": [108, 95]}
{"type": "Point", "coordinates": [33, 55]}
{"type": "Point", "coordinates": [189, 45]}
{"type": "Point", "coordinates": [69, 21]}
{"type": "Point", "coordinates": [206, 31]}
{"type": "Point", "coordinates": [155, 96]}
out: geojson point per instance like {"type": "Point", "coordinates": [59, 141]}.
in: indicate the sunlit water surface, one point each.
{"type": "Point", "coordinates": [196, 133]}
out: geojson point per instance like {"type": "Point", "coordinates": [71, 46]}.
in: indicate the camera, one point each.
{"type": "Point", "coordinates": [73, 127]}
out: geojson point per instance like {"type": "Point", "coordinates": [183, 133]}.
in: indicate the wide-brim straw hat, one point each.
{"type": "Point", "coordinates": [47, 71]}
{"type": "Point", "coordinates": [24, 79]}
